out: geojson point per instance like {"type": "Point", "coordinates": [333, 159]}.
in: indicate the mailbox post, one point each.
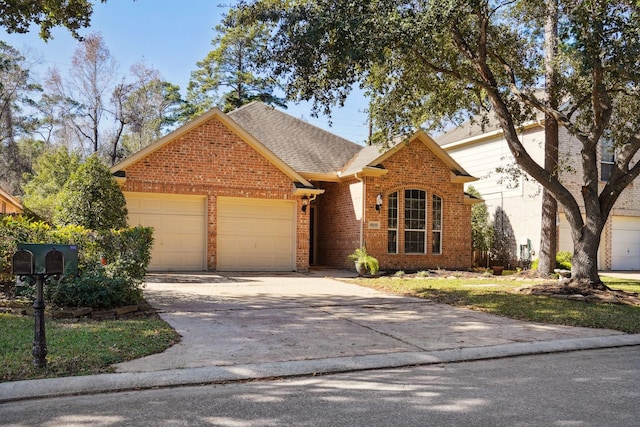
{"type": "Point", "coordinates": [51, 263]}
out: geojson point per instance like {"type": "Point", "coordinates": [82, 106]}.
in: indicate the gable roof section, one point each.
{"type": "Point", "coordinates": [8, 198]}
{"type": "Point", "coordinates": [306, 148]}
{"type": "Point", "coordinates": [370, 157]}
{"type": "Point", "coordinates": [214, 113]}
{"type": "Point", "coordinates": [476, 130]}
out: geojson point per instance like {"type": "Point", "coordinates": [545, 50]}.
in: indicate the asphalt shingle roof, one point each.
{"type": "Point", "coordinates": [304, 147]}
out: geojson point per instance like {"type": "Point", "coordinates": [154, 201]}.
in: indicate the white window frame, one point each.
{"type": "Point", "coordinates": [392, 206]}
{"type": "Point", "coordinates": [606, 150]}
{"type": "Point", "coordinates": [436, 224]}
{"type": "Point", "coordinates": [416, 221]}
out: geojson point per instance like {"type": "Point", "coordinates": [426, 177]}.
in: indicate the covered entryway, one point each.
{"type": "Point", "coordinates": [255, 234]}
{"type": "Point", "coordinates": [179, 229]}
{"type": "Point", "coordinates": [625, 243]}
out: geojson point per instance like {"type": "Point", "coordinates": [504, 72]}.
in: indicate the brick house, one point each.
{"type": "Point", "coordinates": [9, 204]}
{"type": "Point", "coordinates": [259, 190]}
{"type": "Point", "coordinates": [483, 150]}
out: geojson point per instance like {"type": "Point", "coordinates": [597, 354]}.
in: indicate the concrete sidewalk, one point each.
{"type": "Point", "coordinates": [244, 326]}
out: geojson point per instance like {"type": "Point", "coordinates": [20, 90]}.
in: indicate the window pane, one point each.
{"type": "Point", "coordinates": [605, 171]}
{"type": "Point", "coordinates": [415, 210]}
{"type": "Point", "coordinates": [607, 151]}
{"type": "Point", "coordinates": [414, 242]}
{"type": "Point", "coordinates": [436, 225]}
{"type": "Point", "coordinates": [608, 157]}
{"type": "Point", "coordinates": [436, 245]}
{"type": "Point", "coordinates": [392, 245]}
{"type": "Point", "coordinates": [392, 211]}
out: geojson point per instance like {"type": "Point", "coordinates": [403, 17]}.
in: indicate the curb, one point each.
{"type": "Point", "coordinates": [104, 383]}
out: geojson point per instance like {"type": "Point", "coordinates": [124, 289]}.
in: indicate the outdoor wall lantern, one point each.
{"type": "Point", "coordinates": [305, 203]}
{"type": "Point", "coordinates": [379, 202]}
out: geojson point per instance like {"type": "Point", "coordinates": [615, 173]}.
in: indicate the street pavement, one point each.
{"type": "Point", "coordinates": [242, 326]}
{"type": "Point", "coordinates": [590, 388]}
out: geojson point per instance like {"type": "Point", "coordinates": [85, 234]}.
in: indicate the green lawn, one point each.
{"type": "Point", "coordinates": [78, 348]}
{"type": "Point", "coordinates": [499, 295]}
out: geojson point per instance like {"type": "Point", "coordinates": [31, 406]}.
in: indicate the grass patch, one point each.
{"type": "Point", "coordinates": [78, 348]}
{"type": "Point", "coordinates": [498, 295]}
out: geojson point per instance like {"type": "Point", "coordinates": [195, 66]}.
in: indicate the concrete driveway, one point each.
{"type": "Point", "coordinates": [240, 319]}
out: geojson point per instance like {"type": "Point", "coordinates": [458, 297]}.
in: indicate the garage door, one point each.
{"type": "Point", "coordinates": [625, 243]}
{"type": "Point", "coordinates": [255, 234]}
{"type": "Point", "coordinates": [179, 224]}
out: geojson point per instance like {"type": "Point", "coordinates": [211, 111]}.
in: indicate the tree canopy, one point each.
{"type": "Point", "coordinates": [51, 170]}
{"type": "Point", "coordinates": [229, 75]}
{"type": "Point", "coordinates": [92, 198]}
{"type": "Point", "coordinates": [16, 16]}
{"type": "Point", "coordinates": [424, 62]}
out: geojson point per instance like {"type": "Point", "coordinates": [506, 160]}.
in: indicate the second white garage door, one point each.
{"type": "Point", "coordinates": [625, 243]}
{"type": "Point", "coordinates": [255, 234]}
{"type": "Point", "coordinates": [179, 224]}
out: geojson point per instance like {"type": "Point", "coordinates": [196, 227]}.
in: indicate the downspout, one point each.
{"type": "Point", "coordinates": [364, 197]}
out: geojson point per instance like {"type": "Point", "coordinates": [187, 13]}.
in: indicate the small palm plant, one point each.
{"type": "Point", "coordinates": [364, 262]}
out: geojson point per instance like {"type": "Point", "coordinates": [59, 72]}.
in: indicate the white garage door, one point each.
{"type": "Point", "coordinates": [179, 224]}
{"type": "Point", "coordinates": [625, 243]}
{"type": "Point", "coordinates": [255, 234]}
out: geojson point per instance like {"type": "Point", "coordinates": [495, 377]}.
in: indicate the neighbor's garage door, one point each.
{"type": "Point", "coordinates": [625, 243]}
{"type": "Point", "coordinates": [255, 234]}
{"type": "Point", "coordinates": [179, 224]}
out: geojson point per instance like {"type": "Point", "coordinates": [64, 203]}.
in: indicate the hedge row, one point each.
{"type": "Point", "coordinates": [127, 253]}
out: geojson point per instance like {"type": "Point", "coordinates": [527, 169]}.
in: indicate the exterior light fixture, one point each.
{"type": "Point", "coordinates": [305, 203]}
{"type": "Point", "coordinates": [379, 202]}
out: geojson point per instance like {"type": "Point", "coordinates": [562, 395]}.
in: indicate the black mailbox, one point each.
{"type": "Point", "coordinates": [54, 262]}
{"type": "Point", "coordinates": [22, 262]}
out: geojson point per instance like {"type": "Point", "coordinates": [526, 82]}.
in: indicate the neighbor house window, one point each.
{"type": "Point", "coordinates": [436, 225]}
{"type": "Point", "coordinates": [415, 217]}
{"type": "Point", "coordinates": [392, 223]}
{"type": "Point", "coordinates": [608, 157]}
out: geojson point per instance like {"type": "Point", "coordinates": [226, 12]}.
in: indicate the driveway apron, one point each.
{"type": "Point", "coordinates": [240, 318]}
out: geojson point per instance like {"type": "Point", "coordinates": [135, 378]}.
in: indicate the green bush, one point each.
{"type": "Point", "coordinates": [128, 251]}
{"type": "Point", "coordinates": [563, 261]}
{"type": "Point", "coordinates": [94, 288]}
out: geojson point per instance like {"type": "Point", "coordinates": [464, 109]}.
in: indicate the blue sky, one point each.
{"type": "Point", "coordinates": [171, 36]}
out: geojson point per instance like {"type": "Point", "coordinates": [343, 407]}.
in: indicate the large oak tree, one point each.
{"type": "Point", "coordinates": [425, 61]}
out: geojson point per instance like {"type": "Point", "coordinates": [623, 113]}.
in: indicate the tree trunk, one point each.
{"type": "Point", "coordinates": [584, 266]}
{"type": "Point", "coordinates": [549, 235]}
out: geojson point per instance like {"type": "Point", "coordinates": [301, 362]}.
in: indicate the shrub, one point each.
{"type": "Point", "coordinates": [128, 252]}
{"type": "Point", "coordinates": [91, 198]}
{"type": "Point", "coordinates": [563, 261]}
{"type": "Point", "coordinates": [94, 288]}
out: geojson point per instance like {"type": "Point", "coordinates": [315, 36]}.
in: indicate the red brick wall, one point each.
{"type": "Point", "coordinates": [338, 227]}
{"type": "Point", "coordinates": [412, 167]}
{"type": "Point", "coordinates": [211, 160]}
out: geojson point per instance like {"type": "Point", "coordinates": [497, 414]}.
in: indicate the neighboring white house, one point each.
{"type": "Point", "coordinates": [481, 151]}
